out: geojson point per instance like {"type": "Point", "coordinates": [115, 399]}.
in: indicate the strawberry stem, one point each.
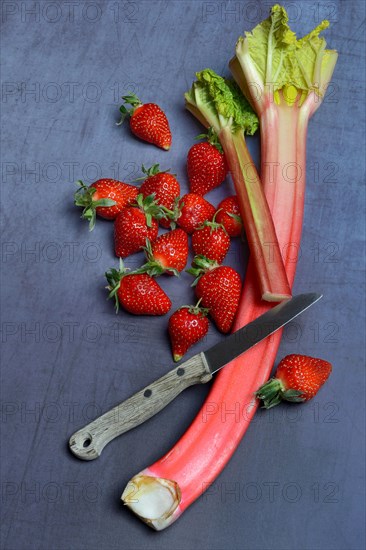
{"type": "Point", "coordinates": [153, 267]}
{"type": "Point", "coordinates": [213, 224]}
{"type": "Point", "coordinates": [173, 214]}
{"type": "Point", "coordinates": [114, 278]}
{"type": "Point", "coordinates": [152, 171]}
{"type": "Point", "coordinates": [273, 392]}
{"type": "Point", "coordinates": [212, 138]}
{"type": "Point", "coordinates": [197, 310]}
{"type": "Point", "coordinates": [84, 197]}
{"type": "Point", "coordinates": [150, 208]}
{"type": "Point", "coordinates": [200, 266]}
{"type": "Point", "coordinates": [130, 99]}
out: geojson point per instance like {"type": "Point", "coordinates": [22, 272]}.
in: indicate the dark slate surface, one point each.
{"type": "Point", "coordinates": [296, 479]}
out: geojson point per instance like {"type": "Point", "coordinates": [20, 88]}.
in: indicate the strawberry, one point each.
{"type": "Point", "coordinates": [206, 165]}
{"type": "Point", "coordinates": [105, 197]}
{"type": "Point", "coordinates": [298, 378]}
{"type": "Point", "coordinates": [148, 121]}
{"type": "Point", "coordinates": [228, 214]}
{"type": "Point", "coordinates": [137, 293]}
{"type": "Point", "coordinates": [165, 188]}
{"type": "Point", "coordinates": [187, 326]}
{"type": "Point", "coordinates": [168, 254]}
{"type": "Point", "coordinates": [192, 211]}
{"type": "Point", "coordinates": [134, 224]}
{"type": "Point", "coordinates": [219, 288]}
{"type": "Point", "coordinates": [211, 240]}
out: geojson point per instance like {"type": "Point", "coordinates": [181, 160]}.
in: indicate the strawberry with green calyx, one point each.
{"type": "Point", "coordinates": [168, 254]}
{"type": "Point", "coordinates": [164, 186]}
{"type": "Point", "coordinates": [136, 223]}
{"type": "Point", "coordinates": [105, 198]}
{"type": "Point", "coordinates": [219, 287]}
{"type": "Point", "coordinates": [138, 294]}
{"type": "Point", "coordinates": [187, 326]}
{"type": "Point", "coordinates": [228, 214]}
{"type": "Point", "coordinates": [148, 121]}
{"type": "Point", "coordinates": [298, 378]}
{"type": "Point", "coordinates": [211, 240]}
{"type": "Point", "coordinates": [206, 164]}
{"type": "Point", "coordinates": [191, 212]}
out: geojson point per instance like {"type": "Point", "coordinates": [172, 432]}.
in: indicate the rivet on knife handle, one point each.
{"type": "Point", "coordinates": [89, 442]}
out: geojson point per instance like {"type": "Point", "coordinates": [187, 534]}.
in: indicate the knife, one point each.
{"type": "Point", "coordinates": [89, 442]}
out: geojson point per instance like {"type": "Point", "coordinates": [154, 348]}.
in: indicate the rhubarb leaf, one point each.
{"type": "Point", "coordinates": [219, 103]}
{"type": "Point", "coordinates": [273, 59]}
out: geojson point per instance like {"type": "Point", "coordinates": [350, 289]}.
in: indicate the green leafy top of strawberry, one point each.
{"type": "Point", "coordinates": [197, 309]}
{"type": "Point", "coordinates": [114, 278]}
{"type": "Point", "coordinates": [152, 171]}
{"type": "Point", "coordinates": [174, 213]}
{"type": "Point", "coordinates": [130, 99]}
{"type": "Point", "coordinates": [213, 224]}
{"type": "Point", "coordinates": [200, 266]}
{"type": "Point", "coordinates": [150, 208]}
{"type": "Point", "coordinates": [84, 197]}
{"type": "Point", "coordinates": [152, 266]}
{"type": "Point", "coordinates": [212, 138]}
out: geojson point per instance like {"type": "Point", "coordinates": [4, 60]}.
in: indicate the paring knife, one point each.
{"type": "Point", "coordinates": [89, 442]}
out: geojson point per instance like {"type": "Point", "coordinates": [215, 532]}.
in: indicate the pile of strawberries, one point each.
{"type": "Point", "coordinates": [139, 211]}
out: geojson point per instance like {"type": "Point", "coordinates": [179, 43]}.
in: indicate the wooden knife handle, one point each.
{"type": "Point", "coordinates": [89, 442]}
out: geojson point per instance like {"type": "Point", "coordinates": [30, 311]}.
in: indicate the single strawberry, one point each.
{"type": "Point", "coordinates": [139, 294]}
{"type": "Point", "coordinates": [211, 240]}
{"type": "Point", "coordinates": [168, 254]}
{"type": "Point", "coordinates": [186, 327]}
{"type": "Point", "coordinates": [219, 288]}
{"type": "Point", "coordinates": [105, 197]}
{"type": "Point", "coordinates": [192, 211]}
{"type": "Point", "coordinates": [165, 188]}
{"type": "Point", "coordinates": [298, 378]}
{"type": "Point", "coordinates": [134, 224]}
{"type": "Point", "coordinates": [206, 164]}
{"type": "Point", "coordinates": [228, 214]}
{"type": "Point", "coordinates": [148, 121]}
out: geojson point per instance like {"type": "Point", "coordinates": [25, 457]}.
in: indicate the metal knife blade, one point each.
{"type": "Point", "coordinates": [240, 341]}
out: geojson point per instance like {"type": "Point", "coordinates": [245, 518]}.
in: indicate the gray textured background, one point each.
{"type": "Point", "coordinates": [295, 482]}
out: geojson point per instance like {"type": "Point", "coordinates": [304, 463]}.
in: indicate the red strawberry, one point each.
{"type": "Point", "coordinates": [134, 224]}
{"type": "Point", "coordinates": [211, 240]}
{"type": "Point", "coordinates": [187, 326]}
{"type": "Point", "coordinates": [206, 165]}
{"type": "Point", "coordinates": [228, 214]}
{"type": "Point", "coordinates": [104, 197]}
{"type": "Point", "coordinates": [193, 211]}
{"type": "Point", "coordinates": [148, 121]}
{"type": "Point", "coordinates": [164, 186]}
{"type": "Point", "coordinates": [298, 378]}
{"type": "Point", "coordinates": [168, 254]}
{"type": "Point", "coordinates": [219, 288]}
{"type": "Point", "coordinates": [139, 294]}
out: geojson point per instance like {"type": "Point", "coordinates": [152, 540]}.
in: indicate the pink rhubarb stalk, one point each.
{"type": "Point", "coordinates": [196, 460]}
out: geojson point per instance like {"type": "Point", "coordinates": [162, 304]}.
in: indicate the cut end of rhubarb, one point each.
{"type": "Point", "coordinates": [274, 297]}
{"type": "Point", "coordinates": [153, 499]}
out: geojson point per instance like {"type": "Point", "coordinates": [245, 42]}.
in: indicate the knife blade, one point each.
{"type": "Point", "coordinates": [88, 443]}
{"type": "Point", "coordinates": [265, 325]}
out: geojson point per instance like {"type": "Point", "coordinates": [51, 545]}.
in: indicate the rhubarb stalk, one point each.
{"type": "Point", "coordinates": [203, 451]}
{"type": "Point", "coordinates": [218, 103]}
